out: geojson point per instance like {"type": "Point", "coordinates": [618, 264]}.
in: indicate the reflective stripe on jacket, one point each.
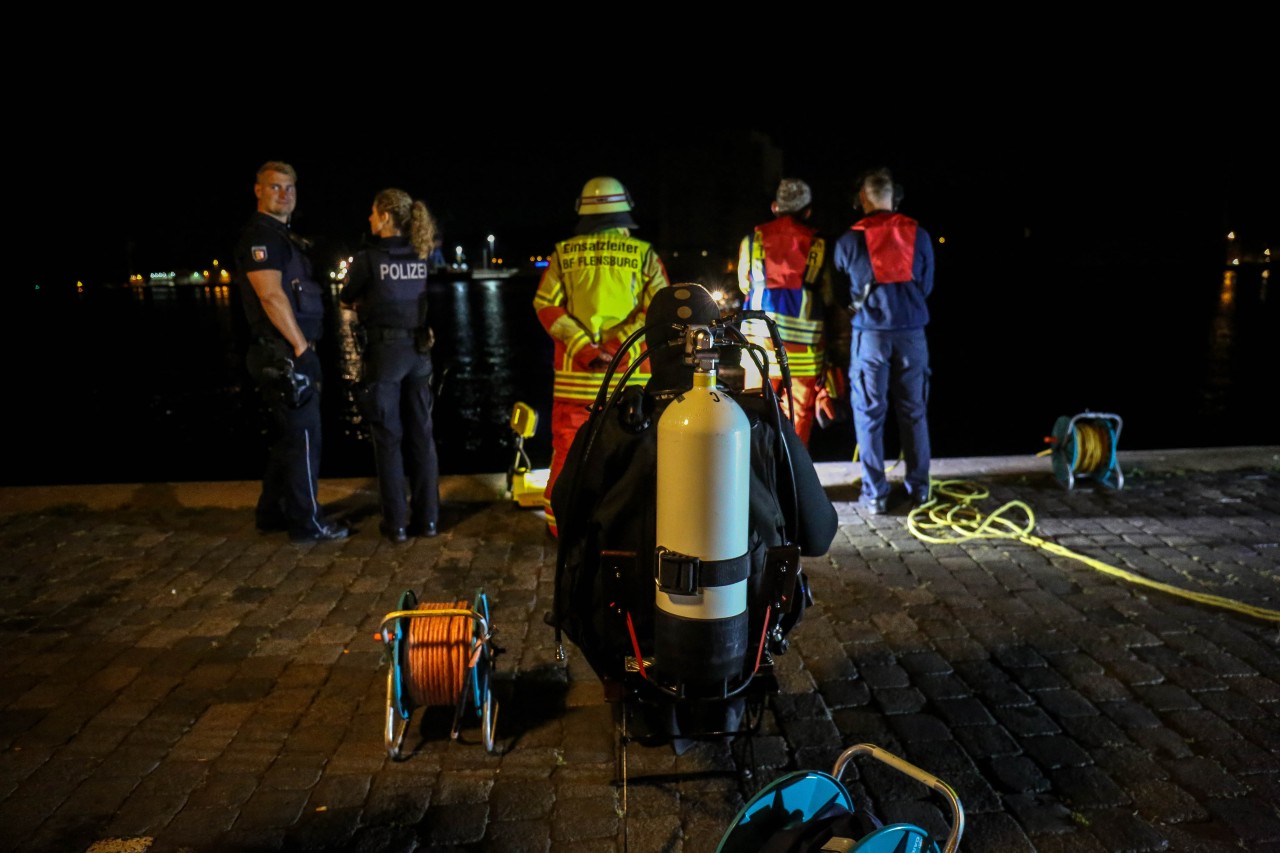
{"type": "Point", "coordinates": [779, 270]}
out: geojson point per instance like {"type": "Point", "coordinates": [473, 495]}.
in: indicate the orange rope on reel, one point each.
{"type": "Point", "coordinates": [438, 653]}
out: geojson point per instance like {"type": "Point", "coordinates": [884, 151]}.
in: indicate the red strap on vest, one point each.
{"type": "Point", "coordinates": [786, 252]}
{"type": "Point", "coordinates": [891, 243]}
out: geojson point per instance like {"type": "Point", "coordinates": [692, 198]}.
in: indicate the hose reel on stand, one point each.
{"type": "Point", "coordinates": [1084, 446]}
{"type": "Point", "coordinates": [440, 654]}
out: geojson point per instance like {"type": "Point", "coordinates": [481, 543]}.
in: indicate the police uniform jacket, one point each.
{"type": "Point", "coordinates": [266, 243]}
{"type": "Point", "coordinates": [388, 285]}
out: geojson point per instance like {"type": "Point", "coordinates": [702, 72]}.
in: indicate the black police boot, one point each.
{"type": "Point", "coordinates": [394, 534]}
{"type": "Point", "coordinates": [428, 529]}
{"type": "Point", "coordinates": [324, 533]}
{"type": "Point", "coordinates": [271, 524]}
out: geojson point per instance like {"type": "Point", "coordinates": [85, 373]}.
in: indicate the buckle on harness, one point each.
{"type": "Point", "coordinates": [675, 573]}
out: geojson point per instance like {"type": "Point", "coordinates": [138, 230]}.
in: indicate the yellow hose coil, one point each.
{"type": "Point", "coordinates": [950, 517]}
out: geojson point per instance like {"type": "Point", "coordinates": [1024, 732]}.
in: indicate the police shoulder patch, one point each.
{"type": "Point", "coordinates": [259, 253]}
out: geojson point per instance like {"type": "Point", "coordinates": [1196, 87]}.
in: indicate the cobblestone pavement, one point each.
{"type": "Point", "coordinates": [174, 680]}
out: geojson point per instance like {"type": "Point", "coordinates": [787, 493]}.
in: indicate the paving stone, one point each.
{"type": "Point", "coordinates": [1026, 721]}
{"type": "Point", "coordinates": [1065, 703]}
{"type": "Point", "coordinates": [272, 808]}
{"type": "Point", "coordinates": [1020, 657]}
{"type": "Point", "coordinates": [885, 676]}
{"type": "Point", "coordinates": [845, 693]}
{"type": "Point", "coordinates": [918, 728]}
{"type": "Point", "coordinates": [1262, 732]}
{"type": "Point", "coordinates": [1226, 665]}
{"type": "Point", "coordinates": [1088, 787]}
{"type": "Point", "coordinates": [384, 839]}
{"type": "Point", "coordinates": [899, 700]}
{"type": "Point", "coordinates": [1165, 697]}
{"type": "Point", "coordinates": [195, 826]}
{"type": "Point", "coordinates": [993, 741]}
{"type": "Point", "coordinates": [1196, 680]}
{"type": "Point", "coordinates": [941, 686]}
{"type": "Point", "coordinates": [1162, 742]}
{"type": "Point", "coordinates": [1039, 814]}
{"type": "Point", "coordinates": [1200, 725]}
{"type": "Point", "coordinates": [1161, 802]}
{"type": "Point", "coordinates": [1204, 778]}
{"type": "Point", "coordinates": [340, 791]}
{"type": "Point", "coordinates": [1054, 751]}
{"type": "Point", "coordinates": [1229, 705]}
{"type": "Point", "coordinates": [926, 664]}
{"type": "Point", "coordinates": [996, 832]}
{"type": "Point", "coordinates": [1135, 672]}
{"type": "Point", "coordinates": [1242, 758]}
{"type": "Point", "coordinates": [461, 823]}
{"type": "Point", "coordinates": [964, 711]}
{"type": "Point", "coordinates": [1127, 763]}
{"type": "Point", "coordinates": [1006, 695]}
{"type": "Point", "coordinates": [1130, 715]}
{"type": "Point", "coordinates": [1202, 838]}
{"type": "Point", "coordinates": [1018, 773]}
{"type": "Point", "coordinates": [1120, 829]}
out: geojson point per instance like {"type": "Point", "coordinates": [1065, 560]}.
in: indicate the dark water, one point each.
{"type": "Point", "coordinates": [146, 385]}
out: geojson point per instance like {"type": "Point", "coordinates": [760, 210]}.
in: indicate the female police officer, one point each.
{"type": "Point", "coordinates": [387, 284]}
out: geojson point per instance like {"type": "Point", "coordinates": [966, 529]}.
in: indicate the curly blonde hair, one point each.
{"type": "Point", "coordinates": [410, 217]}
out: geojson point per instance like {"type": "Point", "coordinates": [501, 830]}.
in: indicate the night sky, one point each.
{"type": "Point", "coordinates": [155, 192]}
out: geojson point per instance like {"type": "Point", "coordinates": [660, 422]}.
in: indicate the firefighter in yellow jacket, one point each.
{"type": "Point", "coordinates": [783, 271]}
{"type": "Point", "coordinates": [592, 297]}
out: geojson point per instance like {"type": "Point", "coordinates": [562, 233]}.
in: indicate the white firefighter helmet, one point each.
{"type": "Point", "coordinates": [603, 195]}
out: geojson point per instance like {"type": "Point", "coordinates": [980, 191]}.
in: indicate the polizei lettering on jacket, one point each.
{"type": "Point", "coordinates": [599, 252]}
{"type": "Point", "coordinates": [402, 270]}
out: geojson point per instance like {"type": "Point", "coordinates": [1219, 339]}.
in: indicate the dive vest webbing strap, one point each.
{"type": "Point", "coordinates": [681, 574]}
{"type": "Point", "coordinates": [781, 572]}
{"type": "Point", "coordinates": [614, 566]}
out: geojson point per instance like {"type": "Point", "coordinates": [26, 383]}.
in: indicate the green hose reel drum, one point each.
{"type": "Point", "coordinates": [1084, 446]}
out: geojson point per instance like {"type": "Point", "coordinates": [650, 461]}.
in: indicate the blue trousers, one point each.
{"type": "Point", "coordinates": [891, 368]}
{"type": "Point", "coordinates": [289, 495]}
{"type": "Point", "coordinates": [395, 396]}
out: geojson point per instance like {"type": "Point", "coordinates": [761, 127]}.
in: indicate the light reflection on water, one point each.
{"type": "Point", "coordinates": [489, 353]}
{"type": "Point", "coordinates": [147, 384]}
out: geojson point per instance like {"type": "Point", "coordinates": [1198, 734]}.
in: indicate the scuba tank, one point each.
{"type": "Point", "coordinates": [701, 564]}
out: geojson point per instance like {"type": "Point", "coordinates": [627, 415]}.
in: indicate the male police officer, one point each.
{"type": "Point", "coordinates": [284, 307]}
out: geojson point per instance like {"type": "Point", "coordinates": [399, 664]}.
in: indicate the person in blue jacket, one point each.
{"type": "Point", "coordinates": [886, 261]}
{"type": "Point", "coordinates": [387, 285]}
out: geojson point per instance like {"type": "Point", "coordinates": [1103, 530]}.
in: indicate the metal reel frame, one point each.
{"type": "Point", "coordinates": [476, 691]}
{"type": "Point", "coordinates": [1066, 451]}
